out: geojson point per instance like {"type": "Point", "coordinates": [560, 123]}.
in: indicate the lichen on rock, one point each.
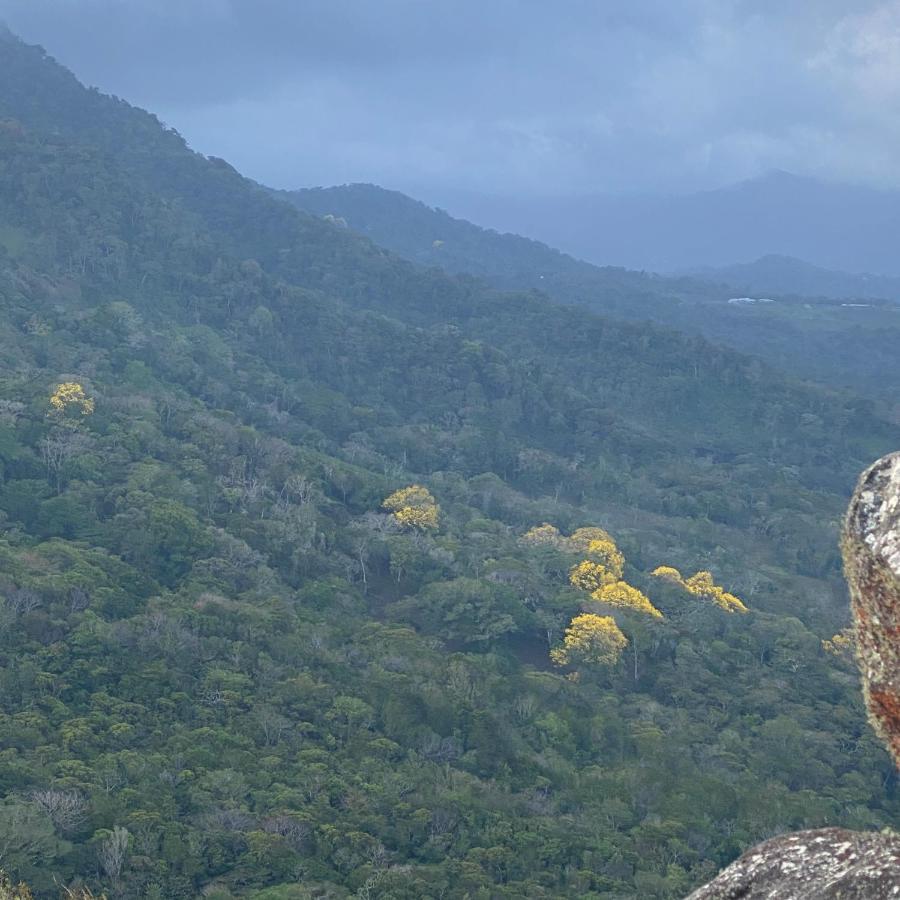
{"type": "Point", "coordinates": [825, 864]}
{"type": "Point", "coordinates": [871, 547]}
{"type": "Point", "coordinates": [832, 863]}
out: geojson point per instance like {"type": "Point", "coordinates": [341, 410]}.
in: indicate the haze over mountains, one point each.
{"type": "Point", "coordinates": [380, 213]}
{"type": "Point", "coordinates": [834, 226]}
{"type": "Point", "coordinates": [846, 343]}
{"type": "Point", "coordinates": [230, 669]}
{"type": "Point", "coordinates": [776, 274]}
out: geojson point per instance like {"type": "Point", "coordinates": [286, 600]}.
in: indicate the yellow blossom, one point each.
{"type": "Point", "coordinates": [581, 538]}
{"type": "Point", "coordinates": [842, 644]}
{"type": "Point", "coordinates": [591, 639]}
{"type": "Point", "coordinates": [71, 395]}
{"type": "Point", "coordinates": [701, 584]}
{"type": "Point", "coordinates": [589, 576]}
{"type": "Point", "coordinates": [413, 507]}
{"type": "Point", "coordinates": [609, 554]}
{"type": "Point", "coordinates": [414, 495]}
{"type": "Point", "coordinates": [625, 596]}
{"type": "Point", "coordinates": [669, 574]}
{"type": "Point", "coordinates": [417, 516]}
{"type": "Point", "coordinates": [546, 535]}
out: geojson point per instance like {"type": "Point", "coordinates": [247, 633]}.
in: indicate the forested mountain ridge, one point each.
{"type": "Point", "coordinates": [781, 275]}
{"type": "Point", "coordinates": [227, 669]}
{"type": "Point", "coordinates": [432, 237]}
{"type": "Point", "coordinates": [837, 225]}
{"type": "Point", "coordinates": [845, 344]}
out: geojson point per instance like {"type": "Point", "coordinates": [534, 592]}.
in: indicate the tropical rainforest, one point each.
{"type": "Point", "coordinates": [830, 327]}
{"type": "Point", "coordinates": [330, 574]}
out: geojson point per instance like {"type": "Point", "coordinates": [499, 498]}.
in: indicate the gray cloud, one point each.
{"type": "Point", "coordinates": [504, 96]}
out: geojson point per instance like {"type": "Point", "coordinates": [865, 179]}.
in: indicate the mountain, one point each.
{"type": "Point", "coordinates": [787, 275]}
{"type": "Point", "coordinates": [834, 342]}
{"type": "Point", "coordinates": [228, 669]}
{"type": "Point", "coordinates": [835, 226]}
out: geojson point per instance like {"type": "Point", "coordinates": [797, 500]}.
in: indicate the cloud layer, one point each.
{"type": "Point", "coordinates": [511, 96]}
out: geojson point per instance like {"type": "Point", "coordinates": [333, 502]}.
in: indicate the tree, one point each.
{"type": "Point", "coordinates": [590, 576]}
{"type": "Point", "coordinates": [414, 507]}
{"type": "Point", "coordinates": [582, 538]}
{"type": "Point", "coordinates": [701, 584]}
{"type": "Point", "coordinates": [112, 852]}
{"type": "Point", "coordinates": [591, 639]}
{"type": "Point", "coordinates": [466, 609]}
{"type": "Point", "coordinates": [623, 595]}
{"type": "Point", "coordinates": [66, 809]}
{"type": "Point", "coordinates": [59, 449]}
{"type": "Point", "coordinates": [545, 535]}
{"type": "Point", "coordinates": [68, 396]}
{"type": "Point", "coordinates": [27, 842]}
{"type": "Point", "coordinates": [609, 554]}
{"type": "Point", "coordinates": [842, 645]}
{"type": "Point", "coordinates": [174, 538]}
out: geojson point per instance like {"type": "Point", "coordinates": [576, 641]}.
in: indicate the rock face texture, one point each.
{"type": "Point", "coordinates": [825, 864]}
{"type": "Point", "coordinates": [871, 548]}
{"type": "Point", "coordinates": [831, 863]}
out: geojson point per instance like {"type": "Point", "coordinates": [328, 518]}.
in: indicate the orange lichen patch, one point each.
{"type": "Point", "coordinates": [888, 701]}
{"type": "Point", "coordinates": [871, 549]}
{"type": "Point", "coordinates": [885, 704]}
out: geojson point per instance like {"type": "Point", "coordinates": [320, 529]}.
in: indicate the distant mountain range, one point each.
{"type": "Point", "coordinates": [433, 237]}
{"type": "Point", "coordinates": [824, 335]}
{"type": "Point", "coordinates": [775, 274]}
{"type": "Point", "coordinates": [834, 226]}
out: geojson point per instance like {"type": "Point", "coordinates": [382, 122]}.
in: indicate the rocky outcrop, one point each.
{"type": "Point", "coordinates": [825, 864]}
{"type": "Point", "coordinates": [831, 863]}
{"type": "Point", "coordinates": [871, 548]}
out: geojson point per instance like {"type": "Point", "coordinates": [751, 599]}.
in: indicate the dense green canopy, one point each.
{"type": "Point", "coordinates": [225, 668]}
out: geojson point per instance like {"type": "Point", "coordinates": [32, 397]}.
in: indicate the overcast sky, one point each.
{"type": "Point", "coordinates": [501, 96]}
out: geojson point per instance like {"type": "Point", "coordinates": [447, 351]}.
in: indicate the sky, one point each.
{"type": "Point", "coordinates": [501, 97]}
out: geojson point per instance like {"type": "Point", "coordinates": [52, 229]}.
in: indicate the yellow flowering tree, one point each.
{"type": "Point", "coordinates": [582, 538]}
{"type": "Point", "coordinates": [68, 396]}
{"type": "Point", "coordinates": [701, 584]}
{"type": "Point", "coordinates": [669, 574]}
{"type": "Point", "coordinates": [842, 644]}
{"type": "Point", "coordinates": [590, 639]}
{"type": "Point", "coordinates": [609, 555]}
{"type": "Point", "coordinates": [624, 596]}
{"type": "Point", "coordinates": [545, 535]}
{"type": "Point", "coordinates": [600, 576]}
{"type": "Point", "coordinates": [414, 507]}
{"type": "Point", "coordinates": [590, 576]}
{"type": "Point", "coordinates": [591, 541]}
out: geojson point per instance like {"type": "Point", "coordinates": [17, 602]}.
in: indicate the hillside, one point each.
{"type": "Point", "coordinates": [832, 225]}
{"type": "Point", "coordinates": [846, 346]}
{"type": "Point", "coordinates": [787, 275]}
{"type": "Point", "coordinates": [227, 669]}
